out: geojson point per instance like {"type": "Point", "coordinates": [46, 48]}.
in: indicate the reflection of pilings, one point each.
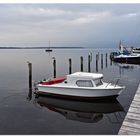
{"type": "Point", "coordinates": [96, 62]}
{"type": "Point", "coordinates": [120, 72]}
{"type": "Point", "coordinates": [110, 59]}
{"type": "Point", "coordinates": [70, 65]}
{"type": "Point", "coordinates": [81, 59]}
{"type": "Point", "coordinates": [106, 60]}
{"type": "Point", "coordinates": [54, 67]}
{"type": "Point", "coordinates": [98, 56]}
{"type": "Point", "coordinates": [101, 61]}
{"type": "Point", "coordinates": [110, 62]}
{"type": "Point", "coordinates": [30, 81]}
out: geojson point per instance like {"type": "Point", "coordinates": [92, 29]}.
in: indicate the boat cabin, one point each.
{"type": "Point", "coordinates": [83, 79]}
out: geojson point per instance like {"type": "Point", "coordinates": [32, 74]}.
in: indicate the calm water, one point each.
{"type": "Point", "coordinates": [58, 116]}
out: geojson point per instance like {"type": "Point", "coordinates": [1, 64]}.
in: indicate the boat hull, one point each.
{"type": "Point", "coordinates": [77, 93]}
{"type": "Point", "coordinates": [61, 96]}
{"type": "Point", "coordinates": [129, 60]}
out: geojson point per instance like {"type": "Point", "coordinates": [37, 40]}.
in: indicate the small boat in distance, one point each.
{"type": "Point", "coordinates": [79, 85]}
{"type": "Point", "coordinates": [48, 50]}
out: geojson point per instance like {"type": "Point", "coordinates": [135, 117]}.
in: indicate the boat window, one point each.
{"type": "Point", "coordinates": [84, 83]}
{"type": "Point", "coordinates": [98, 82]}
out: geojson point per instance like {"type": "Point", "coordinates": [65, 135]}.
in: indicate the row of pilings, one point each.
{"type": "Point", "coordinates": [89, 61]}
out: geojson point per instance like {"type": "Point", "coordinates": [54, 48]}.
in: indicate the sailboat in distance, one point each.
{"type": "Point", "coordinates": [48, 48]}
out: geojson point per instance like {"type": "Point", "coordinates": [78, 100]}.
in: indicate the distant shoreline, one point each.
{"type": "Point", "coordinates": [41, 47]}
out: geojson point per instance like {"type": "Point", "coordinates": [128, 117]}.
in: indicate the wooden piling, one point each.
{"type": "Point", "coordinates": [70, 66]}
{"type": "Point", "coordinates": [96, 62]}
{"type": "Point", "coordinates": [89, 59]}
{"type": "Point", "coordinates": [81, 58]}
{"type": "Point", "coordinates": [54, 68]}
{"type": "Point", "coordinates": [101, 61]}
{"type": "Point", "coordinates": [106, 60]}
{"type": "Point", "coordinates": [30, 81]}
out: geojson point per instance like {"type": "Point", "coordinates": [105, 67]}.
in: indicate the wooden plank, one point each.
{"type": "Point", "coordinates": [136, 99]}
{"type": "Point", "coordinates": [137, 96]}
{"type": "Point", "coordinates": [122, 132]}
{"type": "Point", "coordinates": [131, 124]}
{"type": "Point", "coordinates": [125, 131]}
{"type": "Point", "coordinates": [130, 114]}
{"type": "Point", "coordinates": [137, 110]}
{"type": "Point", "coordinates": [135, 103]}
{"type": "Point", "coordinates": [132, 117]}
{"type": "Point", "coordinates": [131, 111]}
{"type": "Point", "coordinates": [135, 106]}
{"type": "Point", "coordinates": [130, 129]}
{"type": "Point", "coordinates": [135, 121]}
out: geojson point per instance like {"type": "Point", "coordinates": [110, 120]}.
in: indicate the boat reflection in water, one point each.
{"type": "Point", "coordinates": [127, 66]}
{"type": "Point", "coordinates": [83, 111]}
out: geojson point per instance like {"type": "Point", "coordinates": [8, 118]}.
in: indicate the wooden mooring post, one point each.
{"type": "Point", "coordinates": [101, 61]}
{"type": "Point", "coordinates": [70, 66]}
{"type": "Point", "coordinates": [81, 58]}
{"type": "Point", "coordinates": [54, 67]}
{"type": "Point", "coordinates": [106, 60]}
{"type": "Point", "coordinates": [96, 62]}
{"type": "Point", "coordinates": [89, 61]}
{"type": "Point", "coordinates": [30, 80]}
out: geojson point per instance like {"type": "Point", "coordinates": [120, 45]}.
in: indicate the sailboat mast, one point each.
{"type": "Point", "coordinates": [49, 44]}
{"type": "Point", "coordinates": [120, 46]}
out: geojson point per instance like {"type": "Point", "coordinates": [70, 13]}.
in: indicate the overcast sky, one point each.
{"type": "Point", "coordinates": [69, 24]}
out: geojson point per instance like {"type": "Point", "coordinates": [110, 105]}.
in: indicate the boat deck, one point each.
{"type": "Point", "coordinates": [131, 123]}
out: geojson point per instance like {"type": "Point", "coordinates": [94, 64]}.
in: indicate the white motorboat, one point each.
{"type": "Point", "coordinates": [79, 84]}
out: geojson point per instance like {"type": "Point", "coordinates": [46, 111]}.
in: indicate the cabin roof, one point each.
{"type": "Point", "coordinates": [86, 75]}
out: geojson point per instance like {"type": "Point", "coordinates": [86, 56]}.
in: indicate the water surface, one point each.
{"type": "Point", "coordinates": [58, 116]}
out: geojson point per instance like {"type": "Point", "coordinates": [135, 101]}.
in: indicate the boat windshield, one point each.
{"type": "Point", "coordinates": [98, 82]}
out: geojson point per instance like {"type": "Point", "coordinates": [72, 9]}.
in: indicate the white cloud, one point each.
{"type": "Point", "coordinates": [38, 11]}
{"type": "Point", "coordinates": [132, 14]}
{"type": "Point", "coordinates": [87, 17]}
